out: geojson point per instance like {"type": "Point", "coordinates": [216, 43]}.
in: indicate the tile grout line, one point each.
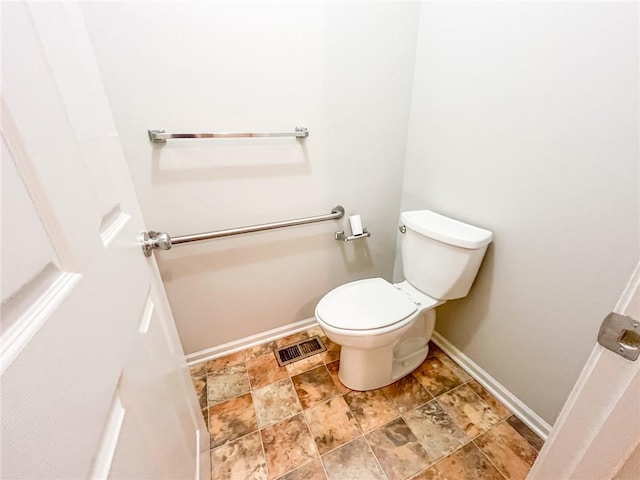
{"type": "Point", "coordinates": [303, 416]}
{"type": "Point", "coordinates": [209, 405]}
{"type": "Point", "coordinates": [505, 420]}
{"type": "Point", "coordinates": [364, 434]}
{"type": "Point", "coordinates": [324, 469]}
{"type": "Point", "coordinates": [468, 439]}
{"type": "Point", "coordinates": [259, 431]}
{"type": "Point", "coordinates": [419, 383]}
{"type": "Point", "coordinates": [488, 459]}
{"type": "Point", "coordinates": [320, 455]}
{"type": "Point", "coordinates": [472, 440]}
{"type": "Point", "coordinates": [459, 447]}
{"type": "Point", "coordinates": [375, 456]}
{"type": "Point", "coordinates": [260, 428]}
{"type": "Point", "coordinates": [519, 434]}
{"type": "Point", "coordinates": [306, 422]}
{"type": "Point", "coordinates": [433, 462]}
{"type": "Point", "coordinates": [361, 431]}
{"type": "Point", "coordinates": [298, 467]}
{"type": "Point", "coordinates": [234, 440]}
{"type": "Point", "coordinates": [493, 426]}
{"type": "Point", "coordinates": [432, 399]}
{"type": "Point", "coordinates": [264, 452]}
{"type": "Point", "coordinates": [399, 415]}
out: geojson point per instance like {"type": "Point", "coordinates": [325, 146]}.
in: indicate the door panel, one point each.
{"type": "Point", "coordinates": [26, 250]}
{"type": "Point", "coordinates": [92, 385]}
{"type": "Point", "coordinates": [150, 375]}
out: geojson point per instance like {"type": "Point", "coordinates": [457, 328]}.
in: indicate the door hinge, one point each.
{"type": "Point", "coordinates": [620, 334]}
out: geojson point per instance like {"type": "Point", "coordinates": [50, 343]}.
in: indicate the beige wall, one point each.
{"type": "Point", "coordinates": [342, 69]}
{"type": "Point", "coordinates": [524, 121]}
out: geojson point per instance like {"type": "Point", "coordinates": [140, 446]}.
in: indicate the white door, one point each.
{"type": "Point", "coordinates": [599, 427]}
{"type": "Point", "coordinates": [94, 381]}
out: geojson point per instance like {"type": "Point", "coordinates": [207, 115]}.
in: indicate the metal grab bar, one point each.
{"type": "Point", "coordinates": [161, 240]}
{"type": "Point", "coordinates": [159, 136]}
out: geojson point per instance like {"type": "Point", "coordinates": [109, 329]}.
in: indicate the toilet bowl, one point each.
{"type": "Point", "coordinates": [383, 328]}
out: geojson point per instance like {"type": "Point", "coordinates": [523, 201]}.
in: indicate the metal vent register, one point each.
{"type": "Point", "coordinates": [299, 350]}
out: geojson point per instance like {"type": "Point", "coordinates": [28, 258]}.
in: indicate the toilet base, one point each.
{"type": "Point", "coordinates": [368, 369]}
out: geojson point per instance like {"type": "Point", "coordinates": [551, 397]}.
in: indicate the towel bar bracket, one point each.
{"type": "Point", "coordinates": [151, 240]}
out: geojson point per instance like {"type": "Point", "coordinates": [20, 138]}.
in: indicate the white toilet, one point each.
{"type": "Point", "coordinates": [383, 328]}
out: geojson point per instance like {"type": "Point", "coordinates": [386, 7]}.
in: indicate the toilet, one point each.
{"type": "Point", "coordinates": [384, 328]}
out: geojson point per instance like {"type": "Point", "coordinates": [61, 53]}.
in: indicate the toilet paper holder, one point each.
{"type": "Point", "coordinates": [347, 238]}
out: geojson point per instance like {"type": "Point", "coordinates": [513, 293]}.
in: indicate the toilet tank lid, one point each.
{"type": "Point", "coordinates": [445, 229]}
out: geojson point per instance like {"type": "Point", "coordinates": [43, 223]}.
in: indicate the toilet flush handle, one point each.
{"type": "Point", "coordinates": [402, 229]}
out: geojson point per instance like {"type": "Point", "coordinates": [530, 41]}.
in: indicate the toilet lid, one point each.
{"type": "Point", "coordinates": [364, 305]}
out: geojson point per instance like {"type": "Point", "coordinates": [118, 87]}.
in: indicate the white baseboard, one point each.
{"type": "Point", "coordinates": [248, 342]}
{"type": "Point", "coordinates": [513, 403]}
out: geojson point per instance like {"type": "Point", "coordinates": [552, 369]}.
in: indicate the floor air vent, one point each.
{"type": "Point", "coordinates": [299, 350]}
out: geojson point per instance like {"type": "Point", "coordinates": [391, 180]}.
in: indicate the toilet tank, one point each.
{"type": "Point", "coordinates": [441, 256]}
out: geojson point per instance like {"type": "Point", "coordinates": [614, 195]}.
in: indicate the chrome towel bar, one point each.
{"type": "Point", "coordinates": [159, 136]}
{"type": "Point", "coordinates": [162, 240]}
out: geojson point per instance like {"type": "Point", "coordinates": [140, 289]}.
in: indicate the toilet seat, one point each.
{"type": "Point", "coordinates": [367, 304]}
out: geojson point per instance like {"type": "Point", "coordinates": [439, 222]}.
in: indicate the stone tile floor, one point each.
{"type": "Point", "coordinates": [299, 422]}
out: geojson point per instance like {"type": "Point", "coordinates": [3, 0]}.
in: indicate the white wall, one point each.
{"type": "Point", "coordinates": [524, 121]}
{"type": "Point", "coordinates": [342, 69]}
